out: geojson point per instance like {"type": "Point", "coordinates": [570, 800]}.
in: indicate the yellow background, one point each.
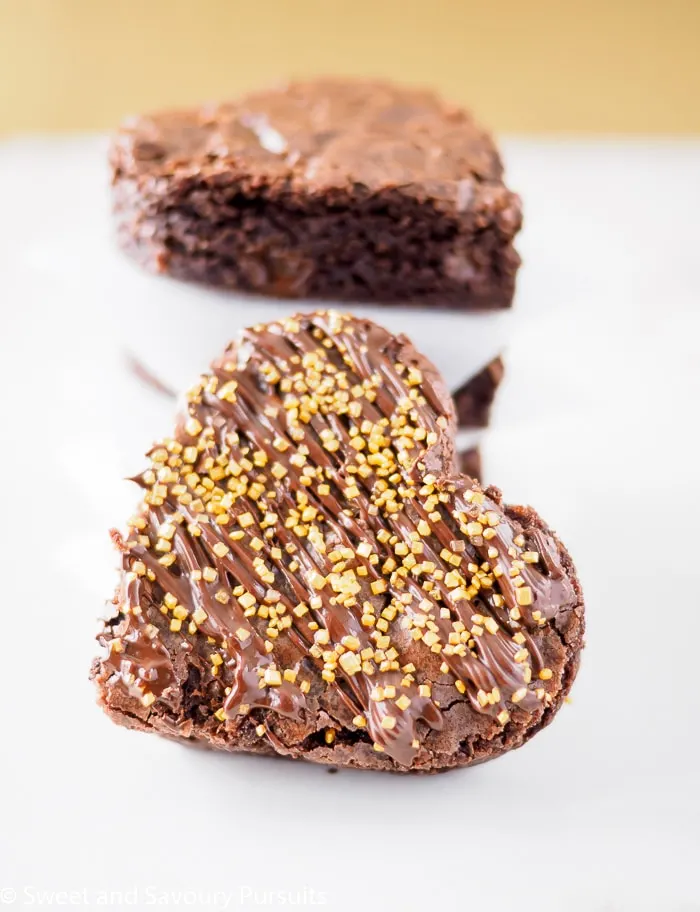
{"type": "Point", "coordinates": [524, 65]}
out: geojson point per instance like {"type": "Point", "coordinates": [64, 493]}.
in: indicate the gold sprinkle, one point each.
{"type": "Point", "coordinates": [193, 427]}
{"type": "Point", "coordinates": [430, 638]}
{"type": "Point", "coordinates": [316, 580]}
{"type": "Point", "coordinates": [272, 677]}
{"type": "Point", "coordinates": [199, 616]}
{"type": "Point", "coordinates": [523, 596]}
{"type": "Point", "coordinates": [350, 662]}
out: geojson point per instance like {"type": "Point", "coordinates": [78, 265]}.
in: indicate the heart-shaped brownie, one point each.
{"type": "Point", "coordinates": [308, 575]}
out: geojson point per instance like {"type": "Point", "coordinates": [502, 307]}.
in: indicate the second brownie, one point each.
{"type": "Point", "coordinates": [331, 189]}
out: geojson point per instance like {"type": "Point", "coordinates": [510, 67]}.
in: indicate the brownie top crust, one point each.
{"type": "Point", "coordinates": [321, 135]}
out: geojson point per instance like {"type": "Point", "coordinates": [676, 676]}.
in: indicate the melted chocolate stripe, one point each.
{"type": "Point", "coordinates": [138, 660]}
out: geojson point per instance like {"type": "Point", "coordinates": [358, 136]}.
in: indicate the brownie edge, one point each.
{"type": "Point", "coordinates": [330, 189]}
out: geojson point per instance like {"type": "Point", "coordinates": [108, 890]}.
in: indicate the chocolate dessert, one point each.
{"type": "Point", "coordinates": [310, 575]}
{"type": "Point", "coordinates": [336, 190]}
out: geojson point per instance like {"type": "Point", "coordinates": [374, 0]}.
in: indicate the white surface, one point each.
{"type": "Point", "coordinates": [597, 427]}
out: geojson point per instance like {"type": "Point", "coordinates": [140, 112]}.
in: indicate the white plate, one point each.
{"type": "Point", "coordinates": [597, 426]}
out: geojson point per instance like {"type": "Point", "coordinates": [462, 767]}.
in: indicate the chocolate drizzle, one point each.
{"type": "Point", "coordinates": [139, 660]}
{"type": "Point", "coordinates": [302, 528]}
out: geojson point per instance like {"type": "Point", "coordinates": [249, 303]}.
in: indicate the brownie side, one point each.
{"type": "Point", "coordinates": [325, 190]}
{"type": "Point", "coordinates": [469, 462]}
{"type": "Point", "coordinates": [473, 400]}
